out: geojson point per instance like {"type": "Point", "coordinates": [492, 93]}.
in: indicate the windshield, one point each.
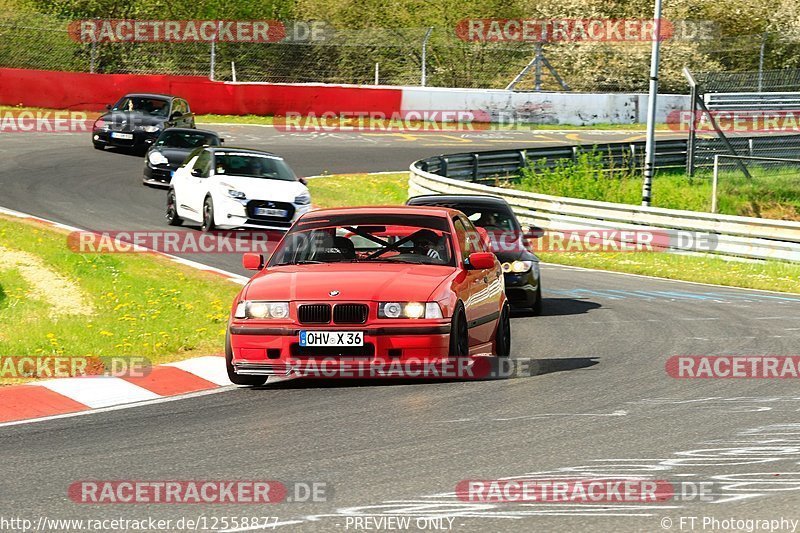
{"type": "Point", "coordinates": [490, 219]}
{"type": "Point", "coordinates": [253, 166]}
{"type": "Point", "coordinates": [397, 239]}
{"type": "Point", "coordinates": [155, 107]}
{"type": "Point", "coordinates": [186, 139]}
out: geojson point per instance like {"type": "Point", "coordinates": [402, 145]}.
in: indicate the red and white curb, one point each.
{"type": "Point", "coordinates": [59, 398]}
{"type": "Point", "coordinates": [65, 397]}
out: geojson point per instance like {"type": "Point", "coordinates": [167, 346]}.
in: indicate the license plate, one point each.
{"type": "Point", "coordinates": [331, 338]}
{"type": "Point", "coordinates": [267, 212]}
{"type": "Point", "coordinates": [117, 135]}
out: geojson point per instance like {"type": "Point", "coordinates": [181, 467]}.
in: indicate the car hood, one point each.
{"type": "Point", "coordinates": [383, 282]}
{"type": "Point", "coordinates": [175, 156]}
{"type": "Point", "coordinates": [263, 189]}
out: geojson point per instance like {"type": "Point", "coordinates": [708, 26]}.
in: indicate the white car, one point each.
{"type": "Point", "coordinates": [229, 188]}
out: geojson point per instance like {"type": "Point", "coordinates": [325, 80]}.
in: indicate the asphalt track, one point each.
{"type": "Point", "coordinates": [599, 405]}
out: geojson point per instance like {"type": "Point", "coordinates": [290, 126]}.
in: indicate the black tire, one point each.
{"type": "Point", "coordinates": [172, 210]}
{"type": "Point", "coordinates": [236, 379]}
{"type": "Point", "coordinates": [208, 215]}
{"type": "Point", "coordinates": [502, 337]}
{"type": "Point", "coordinates": [459, 333]}
{"type": "Point", "coordinates": [536, 308]}
{"type": "Point", "coordinates": [99, 146]}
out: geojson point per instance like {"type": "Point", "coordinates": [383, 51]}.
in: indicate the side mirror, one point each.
{"type": "Point", "coordinates": [480, 261]}
{"type": "Point", "coordinates": [532, 232]}
{"type": "Point", "coordinates": [221, 140]}
{"type": "Point", "coordinates": [108, 107]}
{"type": "Point", "coordinates": [198, 173]}
{"type": "Point", "coordinates": [176, 114]}
{"type": "Point", "coordinates": [252, 261]}
{"type": "Point", "coordinates": [303, 181]}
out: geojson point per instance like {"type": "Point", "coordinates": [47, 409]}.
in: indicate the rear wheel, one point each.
{"type": "Point", "coordinates": [208, 215]}
{"type": "Point", "coordinates": [459, 333]}
{"type": "Point", "coordinates": [236, 379]}
{"type": "Point", "coordinates": [99, 146]}
{"type": "Point", "coordinates": [502, 336]}
{"type": "Point", "coordinates": [172, 210]}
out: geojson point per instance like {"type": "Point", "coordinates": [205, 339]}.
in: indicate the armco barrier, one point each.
{"type": "Point", "coordinates": [746, 237]}
{"type": "Point", "coordinates": [92, 92]}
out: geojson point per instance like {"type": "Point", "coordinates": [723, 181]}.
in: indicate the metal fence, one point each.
{"type": "Point", "coordinates": [402, 56]}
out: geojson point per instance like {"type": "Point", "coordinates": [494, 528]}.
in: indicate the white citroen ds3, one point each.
{"type": "Point", "coordinates": [230, 188]}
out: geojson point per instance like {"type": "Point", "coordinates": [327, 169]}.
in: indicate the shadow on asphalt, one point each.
{"type": "Point", "coordinates": [497, 370]}
{"type": "Point", "coordinates": [559, 307]}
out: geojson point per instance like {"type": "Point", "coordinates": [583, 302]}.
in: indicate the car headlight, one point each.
{"type": "Point", "coordinates": [517, 267]}
{"type": "Point", "coordinates": [157, 158]}
{"type": "Point", "coordinates": [239, 195]}
{"type": "Point", "coordinates": [303, 199]}
{"type": "Point", "coordinates": [256, 309]}
{"type": "Point", "coordinates": [151, 129]}
{"type": "Point", "coordinates": [409, 310]}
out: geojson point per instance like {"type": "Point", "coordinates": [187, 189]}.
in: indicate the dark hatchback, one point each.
{"type": "Point", "coordinates": [509, 243]}
{"type": "Point", "coordinates": [169, 151]}
{"type": "Point", "coordinates": [137, 120]}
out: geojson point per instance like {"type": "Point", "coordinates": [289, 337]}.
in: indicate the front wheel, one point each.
{"type": "Point", "coordinates": [208, 215]}
{"type": "Point", "coordinates": [172, 210]}
{"type": "Point", "coordinates": [459, 334]}
{"type": "Point", "coordinates": [536, 308]}
{"type": "Point", "coordinates": [236, 379]}
{"type": "Point", "coordinates": [98, 146]}
{"type": "Point", "coordinates": [502, 336]}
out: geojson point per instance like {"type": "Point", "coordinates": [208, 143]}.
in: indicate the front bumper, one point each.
{"type": "Point", "coordinates": [275, 350]}
{"type": "Point", "coordinates": [521, 289]}
{"type": "Point", "coordinates": [138, 138]}
{"type": "Point", "coordinates": [235, 214]}
{"type": "Point", "coordinates": [160, 175]}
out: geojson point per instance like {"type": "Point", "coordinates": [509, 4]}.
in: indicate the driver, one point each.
{"type": "Point", "coordinates": [426, 242]}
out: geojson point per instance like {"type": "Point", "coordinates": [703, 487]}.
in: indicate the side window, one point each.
{"type": "Point", "coordinates": [203, 163]}
{"type": "Point", "coordinates": [461, 237]}
{"type": "Point", "coordinates": [474, 243]}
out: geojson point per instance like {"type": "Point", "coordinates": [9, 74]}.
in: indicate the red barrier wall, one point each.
{"type": "Point", "coordinates": [81, 91]}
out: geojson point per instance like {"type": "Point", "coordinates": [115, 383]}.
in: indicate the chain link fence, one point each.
{"type": "Point", "coordinates": [395, 57]}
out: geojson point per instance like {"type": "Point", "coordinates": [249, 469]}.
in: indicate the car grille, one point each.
{"type": "Point", "coordinates": [350, 313]}
{"type": "Point", "coordinates": [253, 204]}
{"type": "Point", "coordinates": [314, 314]}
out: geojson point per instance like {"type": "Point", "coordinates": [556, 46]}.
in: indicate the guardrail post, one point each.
{"type": "Point", "coordinates": [523, 158]}
{"type": "Point", "coordinates": [475, 160]}
{"type": "Point", "coordinates": [443, 166]}
{"type": "Point", "coordinates": [632, 163]}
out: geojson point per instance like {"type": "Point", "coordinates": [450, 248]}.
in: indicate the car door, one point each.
{"type": "Point", "coordinates": [188, 116]}
{"type": "Point", "coordinates": [468, 284]}
{"type": "Point", "coordinates": [197, 183]}
{"type": "Point", "coordinates": [487, 291]}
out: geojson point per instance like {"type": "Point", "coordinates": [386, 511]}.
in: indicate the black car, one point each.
{"type": "Point", "coordinates": [138, 119]}
{"type": "Point", "coordinates": [171, 149]}
{"type": "Point", "coordinates": [509, 240]}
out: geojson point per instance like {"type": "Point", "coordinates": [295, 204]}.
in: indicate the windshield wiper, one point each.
{"type": "Point", "coordinates": [305, 262]}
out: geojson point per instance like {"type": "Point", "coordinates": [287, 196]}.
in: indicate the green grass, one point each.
{"type": "Point", "coordinates": [144, 305]}
{"type": "Point", "coordinates": [359, 189]}
{"type": "Point", "coordinates": [771, 193]}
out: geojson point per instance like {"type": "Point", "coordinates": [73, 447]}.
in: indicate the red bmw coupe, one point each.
{"type": "Point", "coordinates": [369, 287]}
